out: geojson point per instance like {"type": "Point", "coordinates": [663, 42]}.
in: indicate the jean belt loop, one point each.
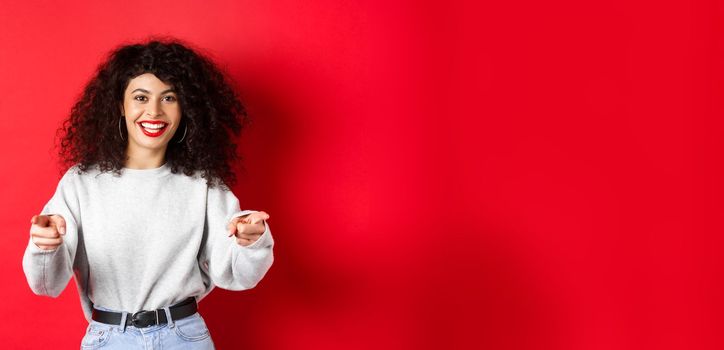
{"type": "Point", "coordinates": [171, 323]}
{"type": "Point", "coordinates": [123, 321]}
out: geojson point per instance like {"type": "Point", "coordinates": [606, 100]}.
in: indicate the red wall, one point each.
{"type": "Point", "coordinates": [519, 175]}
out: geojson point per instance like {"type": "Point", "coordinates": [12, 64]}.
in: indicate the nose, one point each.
{"type": "Point", "coordinates": [153, 109]}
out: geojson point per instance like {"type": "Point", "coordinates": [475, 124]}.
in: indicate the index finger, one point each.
{"type": "Point", "coordinates": [59, 222]}
{"type": "Point", "coordinates": [258, 217]}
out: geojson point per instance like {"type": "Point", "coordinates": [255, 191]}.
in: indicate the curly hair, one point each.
{"type": "Point", "coordinates": [211, 110]}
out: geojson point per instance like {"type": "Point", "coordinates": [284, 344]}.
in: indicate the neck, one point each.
{"type": "Point", "coordinates": [144, 158]}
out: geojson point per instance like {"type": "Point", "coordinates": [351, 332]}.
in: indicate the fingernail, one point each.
{"type": "Point", "coordinates": [62, 230]}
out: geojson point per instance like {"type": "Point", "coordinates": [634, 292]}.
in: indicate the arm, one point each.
{"type": "Point", "coordinates": [228, 264]}
{"type": "Point", "coordinates": [48, 271]}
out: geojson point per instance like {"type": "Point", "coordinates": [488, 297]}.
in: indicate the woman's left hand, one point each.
{"type": "Point", "coordinates": [248, 228]}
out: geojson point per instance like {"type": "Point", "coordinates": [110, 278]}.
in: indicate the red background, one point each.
{"type": "Point", "coordinates": [515, 175]}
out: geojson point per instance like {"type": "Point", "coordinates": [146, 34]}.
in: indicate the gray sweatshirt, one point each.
{"type": "Point", "coordinates": [144, 240]}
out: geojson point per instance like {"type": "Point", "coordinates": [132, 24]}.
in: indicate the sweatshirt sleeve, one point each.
{"type": "Point", "coordinates": [228, 264]}
{"type": "Point", "coordinates": [48, 271]}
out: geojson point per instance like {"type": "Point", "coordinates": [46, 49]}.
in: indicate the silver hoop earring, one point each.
{"type": "Point", "coordinates": [119, 127]}
{"type": "Point", "coordinates": [182, 137]}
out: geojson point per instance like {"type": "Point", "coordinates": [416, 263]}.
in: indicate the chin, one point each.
{"type": "Point", "coordinates": [151, 144]}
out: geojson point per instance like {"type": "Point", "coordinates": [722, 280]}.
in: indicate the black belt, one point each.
{"type": "Point", "coordinates": [146, 318]}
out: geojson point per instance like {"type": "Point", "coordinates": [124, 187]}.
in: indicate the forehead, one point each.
{"type": "Point", "coordinates": [149, 82]}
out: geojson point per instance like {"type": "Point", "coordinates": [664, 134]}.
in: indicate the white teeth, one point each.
{"type": "Point", "coordinates": [152, 126]}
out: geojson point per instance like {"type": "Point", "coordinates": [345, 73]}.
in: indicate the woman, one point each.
{"type": "Point", "coordinates": [143, 218]}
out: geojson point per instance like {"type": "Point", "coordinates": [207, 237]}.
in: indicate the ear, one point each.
{"type": "Point", "coordinates": [120, 105]}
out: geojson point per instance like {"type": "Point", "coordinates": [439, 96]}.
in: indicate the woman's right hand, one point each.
{"type": "Point", "coordinates": [46, 231]}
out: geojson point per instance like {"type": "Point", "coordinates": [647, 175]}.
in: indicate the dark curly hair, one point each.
{"type": "Point", "coordinates": [210, 109]}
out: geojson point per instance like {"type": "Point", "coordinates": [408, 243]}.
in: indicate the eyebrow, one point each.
{"type": "Point", "coordinates": [148, 92]}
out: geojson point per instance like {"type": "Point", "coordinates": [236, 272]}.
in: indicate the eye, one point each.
{"type": "Point", "coordinates": [139, 96]}
{"type": "Point", "coordinates": [170, 98]}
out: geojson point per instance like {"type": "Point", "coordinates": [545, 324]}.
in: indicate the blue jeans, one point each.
{"type": "Point", "coordinates": [189, 332]}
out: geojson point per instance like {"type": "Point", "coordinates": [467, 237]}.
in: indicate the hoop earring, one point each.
{"type": "Point", "coordinates": [182, 137]}
{"type": "Point", "coordinates": [119, 127]}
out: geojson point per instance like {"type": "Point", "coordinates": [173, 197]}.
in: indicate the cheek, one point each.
{"type": "Point", "coordinates": [174, 112]}
{"type": "Point", "coordinates": [175, 117]}
{"type": "Point", "coordinates": [133, 111]}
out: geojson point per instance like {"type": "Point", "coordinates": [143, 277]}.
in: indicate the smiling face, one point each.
{"type": "Point", "coordinates": [152, 114]}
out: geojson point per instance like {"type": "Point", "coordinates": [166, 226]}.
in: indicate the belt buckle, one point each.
{"type": "Point", "coordinates": [144, 318]}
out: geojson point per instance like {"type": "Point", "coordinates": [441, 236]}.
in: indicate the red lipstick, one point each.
{"type": "Point", "coordinates": [153, 132]}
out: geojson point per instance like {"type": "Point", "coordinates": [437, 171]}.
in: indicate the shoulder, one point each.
{"type": "Point", "coordinates": [198, 177]}
{"type": "Point", "coordinates": [73, 171]}
{"type": "Point", "coordinates": [194, 178]}
{"type": "Point", "coordinates": [78, 174]}
{"type": "Point", "coordinates": [70, 177]}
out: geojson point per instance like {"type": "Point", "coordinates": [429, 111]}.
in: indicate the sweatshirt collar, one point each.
{"type": "Point", "coordinates": [163, 169]}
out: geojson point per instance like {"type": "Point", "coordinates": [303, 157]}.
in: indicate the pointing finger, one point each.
{"type": "Point", "coordinates": [259, 217]}
{"type": "Point", "coordinates": [59, 222]}
{"type": "Point", "coordinates": [40, 220]}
